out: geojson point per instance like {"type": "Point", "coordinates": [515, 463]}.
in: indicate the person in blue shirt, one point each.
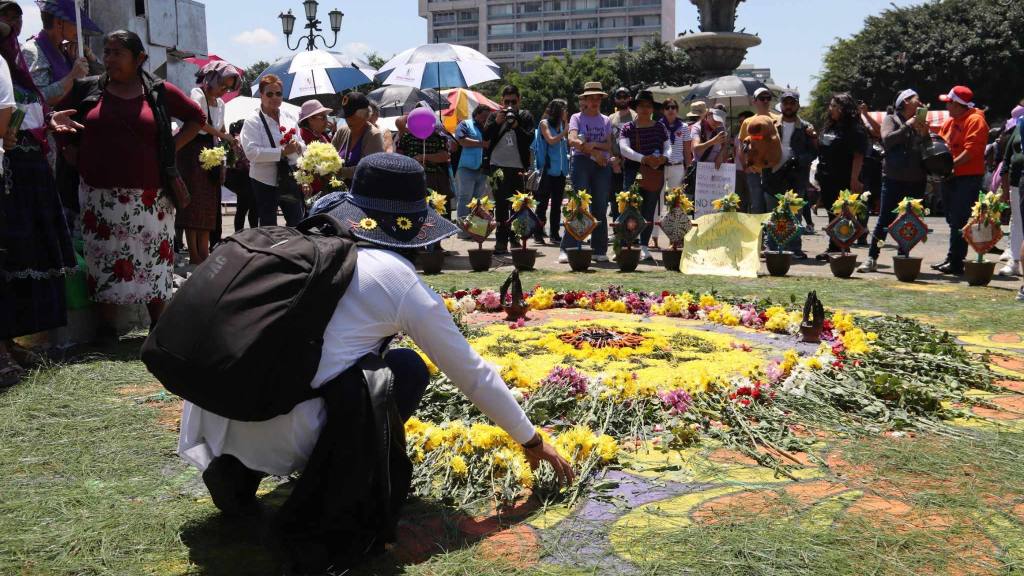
{"type": "Point", "coordinates": [471, 176]}
{"type": "Point", "coordinates": [551, 156]}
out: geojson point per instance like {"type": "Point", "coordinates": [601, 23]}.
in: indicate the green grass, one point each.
{"type": "Point", "coordinates": [954, 307]}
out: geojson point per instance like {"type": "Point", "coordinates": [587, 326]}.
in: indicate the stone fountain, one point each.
{"type": "Point", "coordinates": [717, 49]}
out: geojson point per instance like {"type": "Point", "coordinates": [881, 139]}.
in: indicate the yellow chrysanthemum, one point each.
{"type": "Point", "coordinates": [542, 299]}
{"type": "Point", "coordinates": [458, 466]}
{"type": "Point", "coordinates": [210, 158]}
{"type": "Point", "coordinates": [607, 448]}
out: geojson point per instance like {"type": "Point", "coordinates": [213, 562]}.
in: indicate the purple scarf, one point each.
{"type": "Point", "coordinates": [671, 128]}
{"type": "Point", "coordinates": [59, 64]}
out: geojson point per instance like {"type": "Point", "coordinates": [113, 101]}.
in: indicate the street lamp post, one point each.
{"type": "Point", "coordinates": [312, 24]}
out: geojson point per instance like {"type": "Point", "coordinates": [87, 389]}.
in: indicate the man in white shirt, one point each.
{"type": "Point", "coordinates": [387, 208]}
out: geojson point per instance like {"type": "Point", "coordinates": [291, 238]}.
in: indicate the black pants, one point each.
{"type": "Point", "coordinates": [551, 190]}
{"type": "Point", "coordinates": [245, 209]}
{"type": "Point", "coordinates": [510, 184]}
{"type": "Point", "coordinates": [268, 199]}
{"type": "Point", "coordinates": [618, 181]}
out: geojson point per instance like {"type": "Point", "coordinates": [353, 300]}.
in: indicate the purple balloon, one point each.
{"type": "Point", "coordinates": [421, 123]}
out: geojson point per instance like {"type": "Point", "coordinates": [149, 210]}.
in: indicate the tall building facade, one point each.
{"type": "Point", "coordinates": [514, 32]}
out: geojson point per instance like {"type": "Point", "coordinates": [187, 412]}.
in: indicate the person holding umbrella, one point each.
{"type": "Point", "coordinates": [358, 138]}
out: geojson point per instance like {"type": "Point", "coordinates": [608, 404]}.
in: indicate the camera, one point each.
{"type": "Point", "coordinates": [510, 115]}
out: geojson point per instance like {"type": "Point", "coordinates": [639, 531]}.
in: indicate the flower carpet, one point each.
{"type": "Point", "coordinates": [685, 411]}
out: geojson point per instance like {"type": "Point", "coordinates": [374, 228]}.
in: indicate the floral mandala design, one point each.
{"type": "Point", "coordinates": [598, 337]}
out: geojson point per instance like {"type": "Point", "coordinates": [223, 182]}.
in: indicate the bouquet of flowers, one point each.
{"type": "Point", "coordinates": [855, 203]}
{"type": "Point", "coordinates": [629, 198]}
{"type": "Point", "coordinates": [728, 203]}
{"type": "Point", "coordinates": [578, 220]}
{"type": "Point", "coordinates": [437, 201]}
{"type": "Point", "coordinates": [982, 231]}
{"type": "Point", "coordinates": [211, 158]}
{"type": "Point", "coordinates": [909, 204]}
{"type": "Point", "coordinates": [287, 135]}
{"type": "Point", "coordinates": [318, 168]}
{"type": "Point", "coordinates": [576, 201]}
{"type": "Point", "coordinates": [677, 198]}
{"type": "Point", "coordinates": [989, 208]}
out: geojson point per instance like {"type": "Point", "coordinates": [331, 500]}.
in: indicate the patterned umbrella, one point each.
{"type": "Point", "coordinates": [314, 72]}
{"type": "Point", "coordinates": [400, 100]}
{"type": "Point", "coordinates": [438, 66]}
{"type": "Point", "coordinates": [461, 104]}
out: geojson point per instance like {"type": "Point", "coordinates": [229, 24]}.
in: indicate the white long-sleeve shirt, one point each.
{"type": "Point", "coordinates": [629, 153]}
{"type": "Point", "coordinates": [385, 297]}
{"type": "Point", "coordinates": [260, 151]}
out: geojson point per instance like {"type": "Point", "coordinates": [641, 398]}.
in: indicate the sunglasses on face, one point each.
{"type": "Point", "coordinates": [671, 107]}
{"type": "Point", "coordinates": [765, 98]}
{"type": "Point", "coordinates": [273, 94]}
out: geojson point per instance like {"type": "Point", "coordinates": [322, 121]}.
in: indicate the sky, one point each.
{"type": "Point", "coordinates": [795, 33]}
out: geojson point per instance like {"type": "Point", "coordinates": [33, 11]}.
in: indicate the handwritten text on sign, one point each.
{"type": "Point", "coordinates": [711, 185]}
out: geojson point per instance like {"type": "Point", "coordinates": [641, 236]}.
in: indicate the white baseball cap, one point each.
{"type": "Point", "coordinates": [718, 115]}
{"type": "Point", "coordinates": [762, 90]}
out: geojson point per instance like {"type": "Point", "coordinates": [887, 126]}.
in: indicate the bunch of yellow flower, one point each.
{"type": "Point", "coordinates": [728, 203]}
{"type": "Point", "coordinates": [584, 303]}
{"type": "Point", "coordinates": [857, 342]}
{"type": "Point", "coordinates": [451, 304]}
{"type": "Point", "coordinates": [624, 385]}
{"type": "Point", "coordinates": [909, 204]}
{"type": "Point", "coordinates": [484, 202]}
{"type": "Point", "coordinates": [210, 158]}
{"type": "Point", "coordinates": [789, 361]}
{"type": "Point", "coordinates": [611, 306]}
{"type": "Point", "coordinates": [725, 315]}
{"type": "Point", "coordinates": [677, 197]}
{"type": "Point", "coordinates": [628, 198]}
{"type": "Point", "coordinates": [989, 208]}
{"type": "Point", "coordinates": [522, 200]}
{"type": "Point", "coordinates": [439, 202]}
{"type": "Point", "coordinates": [542, 299]}
{"type": "Point", "coordinates": [842, 321]}
{"type": "Point", "coordinates": [673, 305]}
{"type": "Point", "coordinates": [855, 203]}
{"type": "Point", "coordinates": [320, 159]}
{"type": "Point", "coordinates": [578, 443]}
{"type": "Point", "coordinates": [707, 300]}
{"type": "Point", "coordinates": [780, 321]}
{"type": "Point", "coordinates": [488, 437]}
{"type": "Point", "coordinates": [789, 203]}
{"type": "Point", "coordinates": [512, 373]}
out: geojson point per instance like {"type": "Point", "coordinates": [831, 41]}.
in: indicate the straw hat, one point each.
{"type": "Point", "coordinates": [697, 110]}
{"type": "Point", "coordinates": [593, 89]}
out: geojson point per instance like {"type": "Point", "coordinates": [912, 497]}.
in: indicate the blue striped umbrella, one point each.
{"type": "Point", "coordinates": [316, 72]}
{"type": "Point", "coordinates": [438, 66]}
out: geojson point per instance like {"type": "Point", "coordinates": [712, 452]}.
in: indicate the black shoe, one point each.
{"type": "Point", "coordinates": [500, 251]}
{"type": "Point", "coordinates": [800, 255]}
{"type": "Point", "coordinates": [555, 238]}
{"type": "Point", "coordinates": [952, 269]}
{"type": "Point", "coordinates": [996, 251]}
{"type": "Point", "coordinates": [940, 264]}
{"type": "Point", "coordinates": [538, 239]}
{"type": "Point", "coordinates": [823, 257]}
{"type": "Point", "coordinates": [232, 486]}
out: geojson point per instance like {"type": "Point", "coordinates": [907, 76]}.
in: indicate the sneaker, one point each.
{"type": "Point", "coordinates": [1010, 269]}
{"type": "Point", "coordinates": [563, 258]}
{"type": "Point", "coordinates": [1005, 257]}
{"type": "Point", "coordinates": [645, 254]}
{"type": "Point", "coordinates": [1020, 294]}
{"type": "Point", "coordinates": [870, 266]}
{"type": "Point", "coordinates": [600, 258]}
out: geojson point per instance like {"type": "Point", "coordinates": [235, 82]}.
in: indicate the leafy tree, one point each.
{"type": "Point", "coordinates": [250, 74]}
{"type": "Point", "coordinates": [930, 48]}
{"type": "Point", "coordinates": [561, 77]}
{"type": "Point", "coordinates": [655, 62]}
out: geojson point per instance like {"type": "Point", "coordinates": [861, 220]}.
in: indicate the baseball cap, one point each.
{"type": "Point", "coordinates": [761, 91]}
{"type": "Point", "coordinates": [718, 115]}
{"type": "Point", "coordinates": [961, 95]}
{"type": "Point", "coordinates": [790, 95]}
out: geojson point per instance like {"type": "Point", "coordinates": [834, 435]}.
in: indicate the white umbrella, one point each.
{"type": "Point", "coordinates": [240, 107]}
{"type": "Point", "coordinates": [438, 66]}
{"type": "Point", "coordinates": [314, 72]}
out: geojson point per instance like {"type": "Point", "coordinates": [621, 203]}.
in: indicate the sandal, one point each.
{"type": "Point", "coordinates": [10, 372]}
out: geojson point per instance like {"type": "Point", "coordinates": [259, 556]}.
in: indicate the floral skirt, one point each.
{"type": "Point", "coordinates": [129, 250]}
{"type": "Point", "coordinates": [37, 247]}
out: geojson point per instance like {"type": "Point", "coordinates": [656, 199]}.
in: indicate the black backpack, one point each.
{"type": "Point", "coordinates": [242, 337]}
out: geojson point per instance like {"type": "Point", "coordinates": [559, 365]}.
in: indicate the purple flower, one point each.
{"type": "Point", "coordinates": [568, 377]}
{"type": "Point", "coordinates": [677, 401]}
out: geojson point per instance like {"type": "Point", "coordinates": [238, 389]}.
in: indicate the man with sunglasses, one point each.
{"type": "Point", "coordinates": [509, 132]}
{"type": "Point", "coordinates": [762, 107]}
{"type": "Point", "coordinates": [623, 115]}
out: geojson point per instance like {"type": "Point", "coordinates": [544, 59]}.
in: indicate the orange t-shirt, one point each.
{"type": "Point", "coordinates": [970, 133]}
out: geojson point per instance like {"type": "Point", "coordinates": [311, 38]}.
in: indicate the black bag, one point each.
{"type": "Point", "coordinates": [937, 158]}
{"type": "Point", "coordinates": [287, 187]}
{"type": "Point", "coordinates": [242, 338]}
{"type": "Point", "coordinates": [346, 504]}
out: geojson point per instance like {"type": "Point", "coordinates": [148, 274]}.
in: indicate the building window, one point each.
{"type": "Point", "coordinates": [556, 25]}
{"type": "Point", "coordinates": [529, 27]}
{"type": "Point", "coordinates": [556, 5]}
{"type": "Point", "coordinates": [553, 45]}
{"type": "Point", "coordinates": [612, 43]}
{"type": "Point", "coordinates": [441, 18]}
{"type": "Point", "coordinates": [468, 16]}
{"type": "Point", "coordinates": [535, 7]}
{"type": "Point", "coordinates": [614, 3]}
{"type": "Point", "coordinates": [585, 24]}
{"type": "Point", "coordinates": [648, 20]}
{"type": "Point", "coordinates": [501, 10]}
{"type": "Point", "coordinates": [584, 4]}
{"type": "Point", "coordinates": [531, 46]}
{"type": "Point", "coordinates": [613, 22]}
{"type": "Point", "coordinates": [443, 35]}
{"type": "Point", "coordinates": [500, 29]}
{"type": "Point", "coordinates": [638, 41]}
{"type": "Point", "coordinates": [645, 3]}
{"type": "Point", "coordinates": [500, 47]}
{"type": "Point", "coordinates": [584, 44]}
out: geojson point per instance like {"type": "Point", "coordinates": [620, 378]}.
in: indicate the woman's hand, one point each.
{"type": "Point", "coordinates": [291, 148]}
{"type": "Point", "coordinates": [547, 453]}
{"type": "Point", "coordinates": [61, 122]}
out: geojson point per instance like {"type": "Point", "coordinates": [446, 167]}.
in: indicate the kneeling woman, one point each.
{"type": "Point", "coordinates": [388, 210]}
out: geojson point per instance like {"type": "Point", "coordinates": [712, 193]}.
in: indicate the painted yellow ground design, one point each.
{"type": "Point", "coordinates": [980, 341]}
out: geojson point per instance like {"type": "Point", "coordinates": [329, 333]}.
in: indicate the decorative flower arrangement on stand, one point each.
{"type": "Point", "coordinates": [579, 223]}
{"type": "Point", "coordinates": [783, 227]}
{"type": "Point", "coordinates": [844, 229]}
{"type": "Point", "coordinates": [479, 224]}
{"type": "Point", "coordinates": [728, 203]}
{"type": "Point", "coordinates": [431, 258]}
{"type": "Point", "coordinates": [676, 223]}
{"type": "Point", "coordinates": [628, 228]}
{"type": "Point", "coordinates": [318, 170]}
{"type": "Point", "coordinates": [908, 229]}
{"type": "Point", "coordinates": [983, 232]}
{"type": "Point", "coordinates": [523, 223]}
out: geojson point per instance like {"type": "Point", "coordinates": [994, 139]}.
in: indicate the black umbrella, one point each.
{"type": "Point", "coordinates": [726, 88]}
{"type": "Point", "coordinates": [400, 100]}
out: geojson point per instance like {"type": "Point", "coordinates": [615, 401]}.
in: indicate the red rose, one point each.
{"type": "Point", "coordinates": [166, 253]}
{"type": "Point", "coordinates": [148, 197]}
{"type": "Point", "coordinates": [123, 198]}
{"type": "Point", "coordinates": [476, 291]}
{"type": "Point", "coordinates": [160, 215]}
{"type": "Point", "coordinates": [89, 221]}
{"type": "Point", "coordinates": [124, 270]}
{"type": "Point", "coordinates": [460, 294]}
{"type": "Point", "coordinates": [665, 293]}
{"type": "Point", "coordinates": [103, 231]}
